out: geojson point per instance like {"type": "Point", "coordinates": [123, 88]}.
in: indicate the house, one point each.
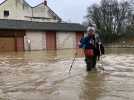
{"type": "Point", "coordinates": [23, 27]}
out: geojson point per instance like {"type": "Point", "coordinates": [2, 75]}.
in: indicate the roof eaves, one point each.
{"type": "Point", "coordinates": [45, 26]}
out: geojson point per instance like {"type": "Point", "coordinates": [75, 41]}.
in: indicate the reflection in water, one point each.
{"type": "Point", "coordinates": [43, 75]}
{"type": "Point", "coordinates": [92, 86]}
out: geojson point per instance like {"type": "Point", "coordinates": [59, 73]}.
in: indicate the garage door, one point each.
{"type": "Point", "coordinates": [7, 44]}
{"type": "Point", "coordinates": [51, 40]}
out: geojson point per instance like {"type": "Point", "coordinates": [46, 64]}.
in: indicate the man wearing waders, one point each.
{"type": "Point", "coordinates": [92, 48]}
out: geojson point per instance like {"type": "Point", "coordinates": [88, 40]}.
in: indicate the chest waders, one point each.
{"type": "Point", "coordinates": [91, 61]}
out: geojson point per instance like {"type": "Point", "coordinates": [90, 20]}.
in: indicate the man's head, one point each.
{"type": "Point", "coordinates": [91, 31]}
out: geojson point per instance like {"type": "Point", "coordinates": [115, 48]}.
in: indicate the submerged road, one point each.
{"type": "Point", "coordinates": [42, 75]}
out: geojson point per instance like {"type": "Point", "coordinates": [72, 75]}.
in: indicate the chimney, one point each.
{"type": "Point", "coordinates": [45, 2]}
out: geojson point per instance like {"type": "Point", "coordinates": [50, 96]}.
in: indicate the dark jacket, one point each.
{"type": "Point", "coordinates": [92, 42]}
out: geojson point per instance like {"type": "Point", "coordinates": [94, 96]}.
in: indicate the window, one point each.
{"type": "Point", "coordinates": [6, 13]}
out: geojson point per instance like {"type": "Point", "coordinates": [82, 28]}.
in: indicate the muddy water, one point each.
{"type": "Point", "coordinates": [42, 75]}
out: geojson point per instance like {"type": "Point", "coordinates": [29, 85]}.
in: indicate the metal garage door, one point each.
{"type": "Point", "coordinates": [7, 44]}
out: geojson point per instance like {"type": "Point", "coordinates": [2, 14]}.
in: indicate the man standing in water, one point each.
{"type": "Point", "coordinates": [92, 48]}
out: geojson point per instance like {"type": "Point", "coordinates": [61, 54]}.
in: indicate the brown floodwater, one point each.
{"type": "Point", "coordinates": [44, 75]}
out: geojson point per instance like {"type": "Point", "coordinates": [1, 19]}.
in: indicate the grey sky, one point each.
{"type": "Point", "coordinates": [68, 10]}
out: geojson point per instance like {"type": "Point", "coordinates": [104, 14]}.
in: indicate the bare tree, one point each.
{"type": "Point", "coordinates": [110, 17]}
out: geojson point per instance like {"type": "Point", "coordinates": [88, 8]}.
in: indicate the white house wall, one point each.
{"type": "Point", "coordinates": [37, 12]}
{"type": "Point", "coordinates": [66, 40]}
{"type": "Point", "coordinates": [8, 5]}
{"type": "Point", "coordinates": [37, 40]}
{"type": "Point", "coordinates": [20, 10]}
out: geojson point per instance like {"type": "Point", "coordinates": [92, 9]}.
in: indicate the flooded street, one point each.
{"type": "Point", "coordinates": [42, 75]}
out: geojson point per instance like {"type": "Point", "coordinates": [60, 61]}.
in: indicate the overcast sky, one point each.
{"type": "Point", "coordinates": [68, 10]}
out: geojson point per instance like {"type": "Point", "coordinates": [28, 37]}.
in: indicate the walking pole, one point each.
{"type": "Point", "coordinates": [72, 62]}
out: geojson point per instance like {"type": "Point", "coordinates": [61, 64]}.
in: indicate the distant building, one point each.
{"type": "Point", "coordinates": [23, 27]}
